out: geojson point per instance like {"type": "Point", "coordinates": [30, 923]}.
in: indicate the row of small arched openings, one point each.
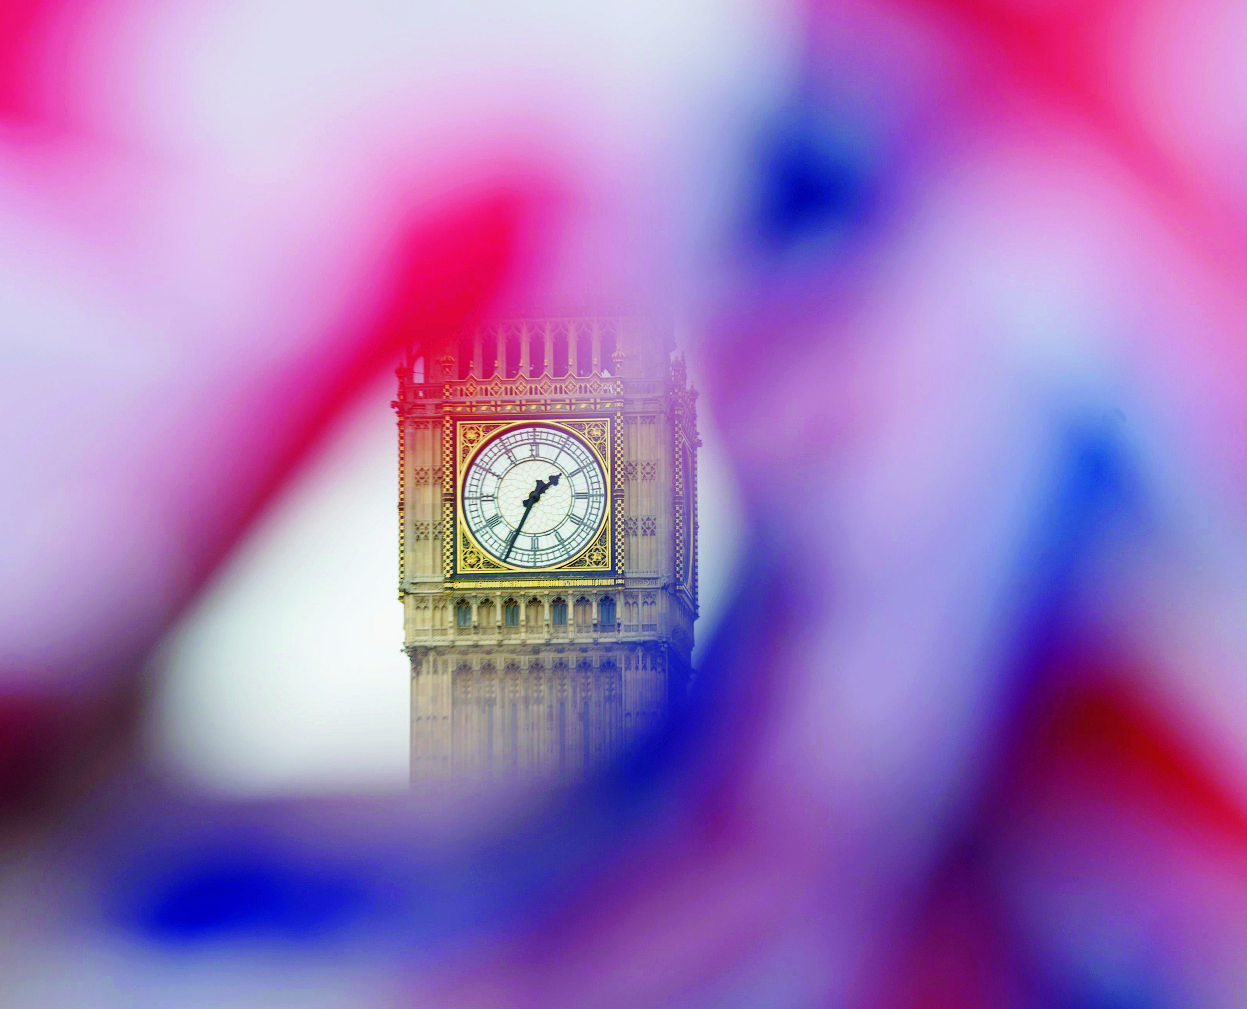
{"type": "Point", "coordinates": [558, 668]}
{"type": "Point", "coordinates": [580, 613]}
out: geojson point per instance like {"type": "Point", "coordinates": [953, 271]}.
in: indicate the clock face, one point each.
{"type": "Point", "coordinates": [534, 496]}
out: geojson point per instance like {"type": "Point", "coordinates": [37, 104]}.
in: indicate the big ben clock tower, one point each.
{"type": "Point", "coordinates": [547, 544]}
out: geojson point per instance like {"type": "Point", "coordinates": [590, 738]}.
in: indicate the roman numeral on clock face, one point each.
{"type": "Point", "coordinates": [493, 520]}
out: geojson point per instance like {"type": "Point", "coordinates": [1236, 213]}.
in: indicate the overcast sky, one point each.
{"type": "Point", "coordinates": [288, 676]}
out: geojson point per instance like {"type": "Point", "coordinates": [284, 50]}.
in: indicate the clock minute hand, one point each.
{"type": "Point", "coordinates": [528, 506]}
{"type": "Point", "coordinates": [533, 497]}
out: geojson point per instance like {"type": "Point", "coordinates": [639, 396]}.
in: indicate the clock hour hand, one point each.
{"type": "Point", "coordinates": [541, 488]}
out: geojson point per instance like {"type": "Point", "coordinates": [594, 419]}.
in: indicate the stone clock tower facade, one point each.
{"type": "Point", "coordinates": [547, 544]}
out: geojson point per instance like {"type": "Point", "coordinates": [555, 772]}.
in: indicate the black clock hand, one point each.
{"type": "Point", "coordinates": [542, 487]}
{"type": "Point", "coordinates": [528, 506]}
{"type": "Point", "coordinates": [532, 499]}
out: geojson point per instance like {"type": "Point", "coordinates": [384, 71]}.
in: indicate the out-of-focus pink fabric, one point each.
{"type": "Point", "coordinates": [967, 280]}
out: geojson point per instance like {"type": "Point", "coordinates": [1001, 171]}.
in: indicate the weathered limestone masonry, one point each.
{"type": "Point", "coordinates": [548, 622]}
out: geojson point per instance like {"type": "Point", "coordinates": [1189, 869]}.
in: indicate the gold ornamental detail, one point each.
{"type": "Point", "coordinates": [546, 582]}
{"type": "Point", "coordinates": [617, 495]}
{"type": "Point", "coordinates": [595, 432]}
{"type": "Point", "coordinates": [522, 387]}
{"type": "Point", "coordinates": [473, 434]}
{"type": "Point", "coordinates": [448, 496]}
{"type": "Point", "coordinates": [595, 557]}
{"type": "Point", "coordinates": [474, 560]}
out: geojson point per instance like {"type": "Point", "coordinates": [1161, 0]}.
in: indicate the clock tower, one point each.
{"type": "Point", "coordinates": [547, 544]}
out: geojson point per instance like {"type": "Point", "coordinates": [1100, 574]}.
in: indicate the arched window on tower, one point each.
{"type": "Point", "coordinates": [606, 343]}
{"type": "Point", "coordinates": [512, 354]}
{"type": "Point", "coordinates": [463, 613]}
{"type": "Point", "coordinates": [606, 613]}
{"type": "Point", "coordinates": [584, 351]}
{"type": "Point", "coordinates": [558, 367]}
{"type": "Point", "coordinates": [558, 613]}
{"type": "Point", "coordinates": [485, 614]}
{"type": "Point", "coordinates": [536, 352]}
{"type": "Point", "coordinates": [610, 684]}
{"type": "Point", "coordinates": [583, 612]}
{"type": "Point", "coordinates": [489, 352]}
{"type": "Point", "coordinates": [533, 615]}
{"type": "Point", "coordinates": [511, 613]}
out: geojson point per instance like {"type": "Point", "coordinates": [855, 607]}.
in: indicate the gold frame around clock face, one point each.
{"type": "Point", "coordinates": [467, 562]}
{"type": "Point", "coordinates": [518, 518]}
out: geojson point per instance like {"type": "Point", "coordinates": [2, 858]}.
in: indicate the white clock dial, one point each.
{"type": "Point", "coordinates": [534, 496]}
